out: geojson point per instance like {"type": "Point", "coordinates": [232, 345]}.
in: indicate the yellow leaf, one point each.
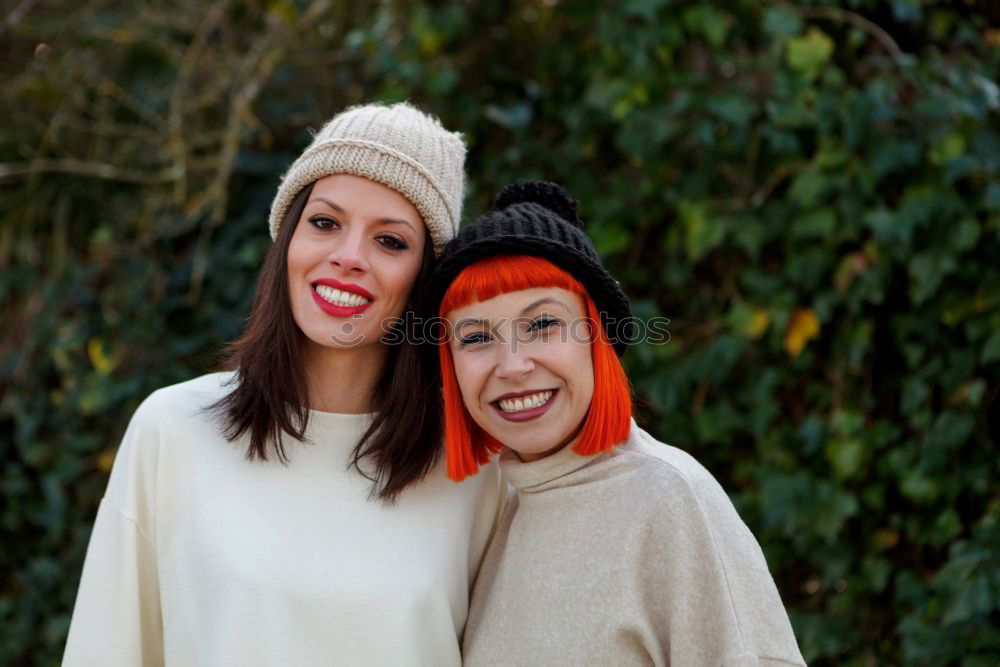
{"type": "Point", "coordinates": [758, 324]}
{"type": "Point", "coordinates": [106, 459]}
{"type": "Point", "coordinates": [103, 362]}
{"type": "Point", "coordinates": [803, 327]}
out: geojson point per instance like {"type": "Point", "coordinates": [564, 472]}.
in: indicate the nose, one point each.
{"type": "Point", "coordinates": [514, 361]}
{"type": "Point", "coordinates": [348, 253]}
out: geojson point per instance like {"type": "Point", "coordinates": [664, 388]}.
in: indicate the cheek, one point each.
{"type": "Point", "coordinates": [299, 256]}
{"type": "Point", "coordinates": [402, 275]}
{"type": "Point", "coordinates": [470, 381]}
{"type": "Point", "coordinates": [580, 367]}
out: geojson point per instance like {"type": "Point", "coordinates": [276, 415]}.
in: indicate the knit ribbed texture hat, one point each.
{"type": "Point", "coordinates": [539, 219]}
{"type": "Point", "coordinates": [397, 146]}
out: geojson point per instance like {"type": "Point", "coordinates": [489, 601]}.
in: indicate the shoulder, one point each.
{"type": "Point", "coordinates": [177, 412]}
{"type": "Point", "coordinates": [169, 422]}
{"type": "Point", "coordinates": [664, 466]}
{"type": "Point", "coordinates": [672, 488]}
{"type": "Point", "coordinates": [186, 399]}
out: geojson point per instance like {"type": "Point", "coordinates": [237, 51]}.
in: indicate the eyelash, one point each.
{"type": "Point", "coordinates": [541, 324]}
{"type": "Point", "coordinates": [316, 221]}
{"type": "Point", "coordinates": [389, 241]}
{"type": "Point", "coordinates": [473, 339]}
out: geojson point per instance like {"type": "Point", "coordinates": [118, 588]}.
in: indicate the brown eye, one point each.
{"type": "Point", "coordinates": [323, 222]}
{"type": "Point", "coordinates": [393, 242]}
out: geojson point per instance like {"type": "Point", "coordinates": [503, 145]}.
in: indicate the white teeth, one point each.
{"type": "Point", "coordinates": [526, 402]}
{"type": "Point", "coordinates": [339, 298]}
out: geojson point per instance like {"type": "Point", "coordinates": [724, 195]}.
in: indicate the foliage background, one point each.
{"type": "Point", "coordinates": [809, 192]}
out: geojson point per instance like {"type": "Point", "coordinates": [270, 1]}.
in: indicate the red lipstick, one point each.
{"type": "Point", "coordinates": [341, 311]}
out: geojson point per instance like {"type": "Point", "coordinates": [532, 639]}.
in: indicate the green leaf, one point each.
{"type": "Point", "coordinates": [608, 239]}
{"type": "Point", "coordinates": [707, 21]}
{"type": "Point", "coordinates": [949, 147]}
{"type": "Point", "coordinates": [950, 428]}
{"type": "Point", "coordinates": [991, 349]}
{"type": "Point", "coordinates": [927, 270]}
{"type": "Point", "coordinates": [819, 223]}
{"type": "Point", "coordinates": [918, 487]}
{"type": "Point", "coordinates": [702, 232]}
{"type": "Point", "coordinates": [808, 53]}
{"type": "Point", "coordinates": [645, 9]}
{"type": "Point", "coordinates": [965, 235]}
{"type": "Point", "coordinates": [915, 392]}
{"type": "Point", "coordinates": [846, 456]}
{"type": "Point", "coordinates": [808, 187]}
{"type": "Point", "coordinates": [781, 23]}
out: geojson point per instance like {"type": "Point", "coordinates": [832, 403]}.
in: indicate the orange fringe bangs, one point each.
{"type": "Point", "coordinates": [467, 446]}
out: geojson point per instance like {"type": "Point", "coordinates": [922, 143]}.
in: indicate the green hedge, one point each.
{"type": "Point", "coordinates": [809, 193]}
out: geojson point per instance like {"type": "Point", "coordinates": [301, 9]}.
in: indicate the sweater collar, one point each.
{"type": "Point", "coordinates": [564, 468]}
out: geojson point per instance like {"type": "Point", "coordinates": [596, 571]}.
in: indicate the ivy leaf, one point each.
{"type": "Point", "coordinates": [702, 232]}
{"type": "Point", "coordinates": [991, 349]}
{"type": "Point", "coordinates": [781, 23]}
{"type": "Point", "coordinates": [846, 456]}
{"type": "Point", "coordinates": [950, 146]}
{"type": "Point", "coordinates": [808, 53]}
{"type": "Point", "coordinates": [103, 361]}
{"type": "Point", "coordinates": [803, 326]}
{"type": "Point", "coordinates": [927, 270]}
{"type": "Point", "coordinates": [816, 224]}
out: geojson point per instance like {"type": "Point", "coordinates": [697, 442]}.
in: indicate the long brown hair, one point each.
{"type": "Point", "coordinates": [271, 396]}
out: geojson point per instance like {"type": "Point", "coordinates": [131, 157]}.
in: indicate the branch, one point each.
{"type": "Point", "coordinates": [858, 21]}
{"type": "Point", "coordinates": [100, 170]}
{"type": "Point", "coordinates": [175, 119]}
{"type": "Point", "coordinates": [846, 16]}
{"type": "Point", "coordinates": [16, 15]}
{"type": "Point", "coordinates": [255, 70]}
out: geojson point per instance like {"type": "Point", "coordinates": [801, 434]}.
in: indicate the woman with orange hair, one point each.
{"type": "Point", "coordinates": [614, 548]}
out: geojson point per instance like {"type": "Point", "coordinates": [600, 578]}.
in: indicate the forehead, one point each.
{"type": "Point", "coordinates": [364, 197]}
{"type": "Point", "coordinates": [513, 304]}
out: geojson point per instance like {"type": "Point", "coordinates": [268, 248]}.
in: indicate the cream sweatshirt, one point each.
{"type": "Point", "coordinates": [201, 557]}
{"type": "Point", "coordinates": [632, 557]}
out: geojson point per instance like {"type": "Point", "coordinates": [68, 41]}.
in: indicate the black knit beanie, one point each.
{"type": "Point", "coordinates": [539, 219]}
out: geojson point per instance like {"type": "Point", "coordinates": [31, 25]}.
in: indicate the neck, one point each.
{"type": "Point", "coordinates": [343, 379]}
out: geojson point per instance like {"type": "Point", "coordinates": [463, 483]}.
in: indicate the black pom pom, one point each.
{"type": "Point", "coordinates": [550, 195]}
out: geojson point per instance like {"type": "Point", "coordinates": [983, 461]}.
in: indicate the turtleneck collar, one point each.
{"type": "Point", "coordinates": [553, 471]}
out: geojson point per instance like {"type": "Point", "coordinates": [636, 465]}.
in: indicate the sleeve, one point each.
{"type": "Point", "coordinates": [716, 602]}
{"type": "Point", "coordinates": [116, 620]}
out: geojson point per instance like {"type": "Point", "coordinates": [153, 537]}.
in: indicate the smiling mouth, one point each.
{"type": "Point", "coordinates": [340, 298]}
{"type": "Point", "coordinates": [525, 403]}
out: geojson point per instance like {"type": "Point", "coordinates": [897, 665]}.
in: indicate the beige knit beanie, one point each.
{"type": "Point", "coordinates": [397, 146]}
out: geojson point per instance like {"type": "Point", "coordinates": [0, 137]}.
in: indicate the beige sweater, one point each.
{"type": "Point", "coordinates": [632, 557]}
{"type": "Point", "coordinates": [200, 557]}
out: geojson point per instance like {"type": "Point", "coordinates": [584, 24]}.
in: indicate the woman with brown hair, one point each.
{"type": "Point", "coordinates": [242, 523]}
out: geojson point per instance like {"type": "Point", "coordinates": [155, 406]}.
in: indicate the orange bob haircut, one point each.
{"type": "Point", "coordinates": [467, 446]}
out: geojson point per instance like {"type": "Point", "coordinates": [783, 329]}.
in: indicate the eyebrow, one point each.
{"type": "Point", "coordinates": [544, 300]}
{"type": "Point", "coordinates": [480, 322]}
{"type": "Point", "coordinates": [470, 322]}
{"type": "Point", "coordinates": [385, 221]}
